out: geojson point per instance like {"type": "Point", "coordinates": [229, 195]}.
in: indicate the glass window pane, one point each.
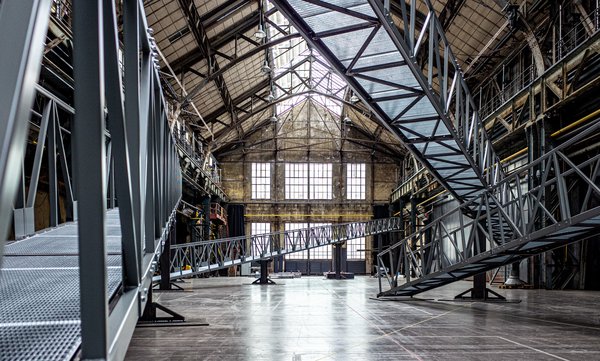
{"type": "Point", "coordinates": [261, 180]}
{"type": "Point", "coordinates": [355, 181]}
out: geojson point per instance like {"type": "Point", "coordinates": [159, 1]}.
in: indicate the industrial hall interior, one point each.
{"type": "Point", "coordinates": [299, 180]}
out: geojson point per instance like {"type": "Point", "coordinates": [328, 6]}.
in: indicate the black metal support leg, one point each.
{"type": "Point", "coordinates": [514, 280]}
{"type": "Point", "coordinates": [479, 291]}
{"type": "Point", "coordinates": [338, 261]}
{"type": "Point", "coordinates": [150, 313]}
{"type": "Point", "coordinates": [165, 262]}
{"type": "Point", "coordinates": [264, 274]}
{"type": "Point", "coordinates": [337, 273]}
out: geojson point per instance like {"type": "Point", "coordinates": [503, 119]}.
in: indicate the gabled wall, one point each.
{"type": "Point", "coordinates": [308, 133]}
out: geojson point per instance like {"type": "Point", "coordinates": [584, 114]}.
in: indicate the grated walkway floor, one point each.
{"type": "Point", "coordinates": [39, 292]}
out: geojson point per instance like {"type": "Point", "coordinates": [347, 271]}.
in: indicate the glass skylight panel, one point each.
{"type": "Point", "coordinates": [306, 72]}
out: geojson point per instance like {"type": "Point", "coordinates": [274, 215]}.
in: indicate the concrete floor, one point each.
{"type": "Point", "coordinates": [316, 319]}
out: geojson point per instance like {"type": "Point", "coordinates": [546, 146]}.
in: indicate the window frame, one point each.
{"type": "Point", "coordinates": [257, 228]}
{"type": "Point", "coordinates": [295, 180]}
{"type": "Point", "coordinates": [352, 249]}
{"type": "Point", "coordinates": [260, 176]}
{"type": "Point", "coordinates": [320, 181]}
{"type": "Point", "coordinates": [356, 181]}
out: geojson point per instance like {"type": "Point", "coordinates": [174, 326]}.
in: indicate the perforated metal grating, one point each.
{"type": "Point", "coordinates": [44, 294]}
{"type": "Point", "coordinates": [39, 292]}
{"type": "Point", "coordinates": [51, 261]}
{"type": "Point", "coordinates": [39, 342]}
{"type": "Point", "coordinates": [45, 244]}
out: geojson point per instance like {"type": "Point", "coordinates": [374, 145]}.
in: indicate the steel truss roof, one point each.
{"type": "Point", "coordinates": [430, 108]}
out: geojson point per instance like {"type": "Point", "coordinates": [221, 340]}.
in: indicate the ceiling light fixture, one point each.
{"type": "Point", "coordinates": [266, 68]}
{"type": "Point", "coordinates": [354, 99]}
{"type": "Point", "coordinates": [274, 119]}
{"type": "Point", "coordinates": [260, 33]}
{"type": "Point", "coordinates": [347, 120]}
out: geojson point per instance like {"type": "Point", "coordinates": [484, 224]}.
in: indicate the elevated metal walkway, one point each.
{"type": "Point", "coordinates": [562, 207]}
{"type": "Point", "coordinates": [201, 257]}
{"type": "Point", "coordinates": [194, 174]}
{"type": "Point", "coordinates": [39, 292]}
{"type": "Point", "coordinates": [50, 308]}
{"type": "Point", "coordinates": [409, 78]}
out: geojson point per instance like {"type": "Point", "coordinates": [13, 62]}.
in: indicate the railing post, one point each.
{"type": "Point", "coordinates": [131, 57]}
{"type": "Point", "coordinates": [89, 161]}
{"type": "Point", "coordinates": [23, 24]}
{"type": "Point", "coordinates": [406, 262]}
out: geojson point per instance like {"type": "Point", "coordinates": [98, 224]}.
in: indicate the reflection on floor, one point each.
{"type": "Point", "coordinates": [311, 318]}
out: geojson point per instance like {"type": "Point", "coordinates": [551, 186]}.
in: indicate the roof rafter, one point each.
{"type": "Point", "coordinates": [198, 31]}
{"type": "Point", "coordinates": [236, 61]}
{"type": "Point", "coordinates": [194, 57]}
{"type": "Point", "coordinates": [449, 12]}
{"type": "Point", "coordinates": [251, 92]}
{"type": "Point", "coordinates": [221, 11]}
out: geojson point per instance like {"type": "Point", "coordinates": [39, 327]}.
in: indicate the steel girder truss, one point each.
{"type": "Point", "coordinates": [207, 256]}
{"type": "Point", "coordinates": [51, 138]}
{"type": "Point", "coordinates": [409, 77]}
{"type": "Point", "coordinates": [549, 203]}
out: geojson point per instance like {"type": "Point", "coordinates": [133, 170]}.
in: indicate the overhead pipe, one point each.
{"type": "Point", "coordinates": [576, 123]}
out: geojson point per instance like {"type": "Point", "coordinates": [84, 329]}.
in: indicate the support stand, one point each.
{"type": "Point", "coordinates": [150, 314]}
{"type": "Point", "coordinates": [514, 280]}
{"type": "Point", "coordinates": [479, 291]}
{"type": "Point", "coordinates": [338, 274]}
{"type": "Point", "coordinates": [172, 286]}
{"type": "Point", "coordinates": [486, 295]}
{"type": "Point", "coordinates": [264, 274]}
{"type": "Point", "coordinates": [165, 283]}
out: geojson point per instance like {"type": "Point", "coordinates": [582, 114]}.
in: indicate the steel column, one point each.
{"type": "Point", "coordinates": [119, 138]}
{"type": "Point", "coordinates": [23, 25]}
{"type": "Point", "coordinates": [131, 56]}
{"type": "Point", "coordinates": [88, 141]}
{"type": "Point", "coordinates": [52, 173]}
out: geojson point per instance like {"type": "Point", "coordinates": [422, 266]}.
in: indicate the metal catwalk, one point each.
{"type": "Point", "coordinates": [207, 256]}
{"type": "Point", "coordinates": [39, 292]}
{"type": "Point", "coordinates": [81, 287]}
{"type": "Point", "coordinates": [563, 206]}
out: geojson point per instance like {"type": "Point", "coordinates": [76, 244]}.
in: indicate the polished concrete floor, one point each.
{"type": "Point", "coordinates": [316, 319]}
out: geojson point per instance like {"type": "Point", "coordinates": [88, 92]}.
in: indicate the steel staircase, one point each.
{"type": "Point", "coordinates": [403, 70]}
{"type": "Point", "coordinates": [428, 106]}
{"type": "Point", "coordinates": [519, 223]}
